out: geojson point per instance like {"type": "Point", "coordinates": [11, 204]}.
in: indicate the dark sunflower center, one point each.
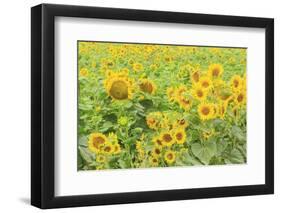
{"type": "Point", "coordinates": [216, 72]}
{"type": "Point", "coordinates": [199, 93]}
{"type": "Point", "coordinates": [179, 136]}
{"type": "Point", "coordinates": [146, 87]}
{"type": "Point", "coordinates": [170, 156]}
{"type": "Point", "coordinates": [107, 149]}
{"type": "Point", "coordinates": [119, 90]}
{"type": "Point", "coordinates": [167, 137]}
{"type": "Point", "coordinates": [98, 141]}
{"type": "Point", "coordinates": [205, 110]}
{"type": "Point", "coordinates": [240, 98]}
{"type": "Point", "coordinates": [236, 83]}
{"type": "Point", "coordinates": [205, 84]}
{"type": "Point", "coordinates": [195, 76]}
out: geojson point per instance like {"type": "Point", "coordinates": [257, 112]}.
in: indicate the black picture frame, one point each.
{"type": "Point", "coordinates": [43, 102]}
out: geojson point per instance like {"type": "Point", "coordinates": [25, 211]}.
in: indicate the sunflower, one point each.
{"type": "Point", "coordinates": [195, 75]}
{"type": "Point", "coordinates": [153, 120]}
{"type": "Point", "coordinates": [222, 108]}
{"type": "Point", "coordinates": [108, 148]}
{"type": "Point", "coordinates": [100, 158]}
{"type": "Point", "coordinates": [199, 93]}
{"type": "Point", "coordinates": [171, 92]}
{"type": "Point", "coordinates": [205, 111]}
{"type": "Point", "coordinates": [84, 72]}
{"type": "Point", "coordinates": [157, 141]}
{"type": "Point", "coordinates": [180, 91]}
{"type": "Point", "coordinates": [116, 149]}
{"type": "Point", "coordinates": [170, 156]}
{"type": "Point", "coordinates": [153, 161]}
{"type": "Point", "coordinates": [240, 98]}
{"type": "Point", "coordinates": [156, 151]}
{"type": "Point", "coordinates": [182, 123]}
{"type": "Point", "coordinates": [205, 82]}
{"type": "Point", "coordinates": [215, 70]}
{"type": "Point", "coordinates": [96, 140]}
{"type": "Point", "coordinates": [236, 83]}
{"type": "Point", "coordinates": [118, 85]}
{"type": "Point", "coordinates": [137, 67]}
{"type": "Point", "coordinates": [147, 86]}
{"type": "Point", "coordinates": [180, 136]}
{"type": "Point", "coordinates": [185, 103]}
{"type": "Point", "coordinates": [167, 138]}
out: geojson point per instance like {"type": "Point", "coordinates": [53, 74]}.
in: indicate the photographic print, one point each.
{"type": "Point", "coordinates": [152, 105]}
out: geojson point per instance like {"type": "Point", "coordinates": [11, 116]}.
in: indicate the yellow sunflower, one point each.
{"type": "Point", "coordinates": [108, 149]}
{"type": "Point", "coordinates": [118, 86]}
{"type": "Point", "coordinates": [185, 102]}
{"type": "Point", "coordinates": [222, 108]}
{"type": "Point", "coordinates": [100, 158]}
{"type": "Point", "coordinates": [147, 86]}
{"type": "Point", "coordinates": [167, 138]}
{"type": "Point", "coordinates": [96, 140]}
{"type": "Point", "coordinates": [195, 75]}
{"type": "Point", "coordinates": [180, 135]}
{"type": "Point", "coordinates": [182, 123]}
{"type": "Point", "coordinates": [156, 151]}
{"type": "Point", "coordinates": [157, 141]}
{"type": "Point", "coordinates": [205, 82]}
{"type": "Point", "coordinates": [170, 156]}
{"type": "Point", "coordinates": [240, 98]}
{"type": "Point", "coordinates": [137, 67]}
{"type": "Point", "coordinates": [236, 83]}
{"type": "Point", "coordinates": [199, 92]}
{"type": "Point", "coordinates": [180, 91]}
{"type": "Point", "coordinates": [84, 72]}
{"type": "Point", "coordinates": [215, 70]}
{"type": "Point", "coordinates": [206, 111]}
{"type": "Point", "coordinates": [116, 148]}
{"type": "Point", "coordinates": [171, 93]}
{"type": "Point", "coordinates": [153, 161]}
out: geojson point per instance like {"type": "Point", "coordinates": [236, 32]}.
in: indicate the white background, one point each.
{"type": "Point", "coordinates": [15, 106]}
{"type": "Point", "coordinates": [130, 180]}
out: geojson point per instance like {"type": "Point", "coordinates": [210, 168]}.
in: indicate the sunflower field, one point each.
{"type": "Point", "coordinates": [150, 105]}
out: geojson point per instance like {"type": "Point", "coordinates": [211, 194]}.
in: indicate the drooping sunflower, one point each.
{"type": "Point", "coordinates": [147, 86]}
{"type": "Point", "coordinates": [170, 156]}
{"type": "Point", "coordinates": [205, 82]}
{"type": "Point", "coordinates": [119, 86]}
{"type": "Point", "coordinates": [205, 111]}
{"type": "Point", "coordinates": [195, 75]}
{"type": "Point", "coordinates": [180, 135]}
{"type": "Point", "coordinates": [171, 93]}
{"type": "Point", "coordinates": [167, 139]}
{"type": "Point", "coordinates": [236, 83]}
{"type": "Point", "coordinates": [199, 92]}
{"type": "Point", "coordinates": [96, 141]}
{"type": "Point", "coordinates": [215, 70]}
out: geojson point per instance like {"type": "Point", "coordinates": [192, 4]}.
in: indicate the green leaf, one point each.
{"type": "Point", "coordinates": [238, 134]}
{"type": "Point", "coordinates": [204, 152]}
{"type": "Point", "coordinates": [234, 157]}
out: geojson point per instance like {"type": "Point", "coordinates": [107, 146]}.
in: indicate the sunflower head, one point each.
{"type": "Point", "coordinates": [108, 149]}
{"type": "Point", "coordinates": [137, 67]}
{"type": "Point", "coordinates": [118, 86]}
{"type": "Point", "coordinates": [180, 136]}
{"type": "Point", "coordinates": [84, 72]}
{"type": "Point", "coordinates": [157, 141]}
{"type": "Point", "coordinates": [236, 83]}
{"type": "Point", "coordinates": [181, 123]}
{"type": "Point", "coordinates": [96, 141]}
{"type": "Point", "coordinates": [167, 138]}
{"type": "Point", "coordinates": [215, 70]}
{"type": "Point", "coordinates": [171, 93]}
{"type": "Point", "coordinates": [206, 111]}
{"type": "Point", "coordinates": [205, 82]}
{"type": "Point", "coordinates": [147, 86]}
{"type": "Point", "coordinates": [153, 161]}
{"type": "Point", "coordinates": [195, 75]}
{"type": "Point", "coordinates": [199, 92]}
{"type": "Point", "coordinates": [100, 158]}
{"type": "Point", "coordinates": [185, 102]}
{"type": "Point", "coordinates": [240, 98]}
{"type": "Point", "coordinates": [156, 151]}
{"type": "Point", "coordinates": [170, 156]}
